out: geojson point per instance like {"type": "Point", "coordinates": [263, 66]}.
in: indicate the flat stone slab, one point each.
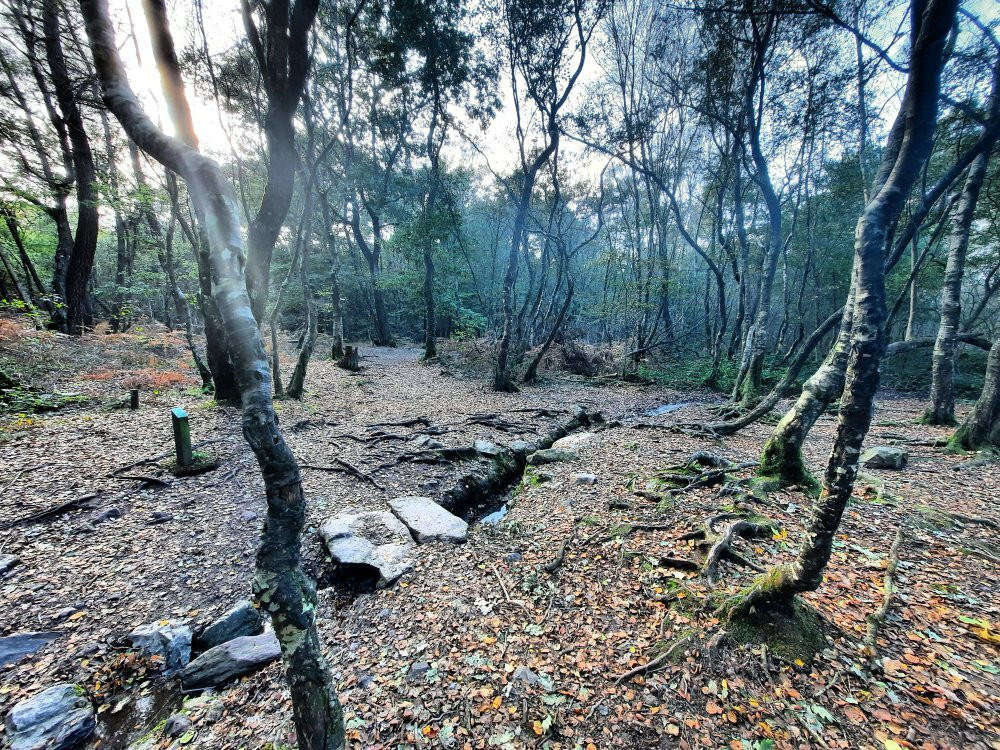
{"type": "Point", "coordinates": [14, 647]}
{"type": "Point", "coordinates": [230, 660]}
{"type": "Point", "coordinates": [551, 456]}
{"type": "Point", "coordinates": [243, 619]}
{"type": "Point", "coordinates": [428, 521]}
{"type": "Point", "coordinates": [374, 538]}
{"type": "Point", "coordinates": [584, 478]}
{"type": "Point", "coordinates": [168, 641]}
{"type": "Point", "coordinates": [58, 718]}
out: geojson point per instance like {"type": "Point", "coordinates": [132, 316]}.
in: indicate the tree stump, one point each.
{"type": "Point", "coordinates": [351, 359]}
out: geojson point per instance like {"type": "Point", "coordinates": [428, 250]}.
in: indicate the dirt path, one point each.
{"type": "Point", "coordinates": [479, 646]}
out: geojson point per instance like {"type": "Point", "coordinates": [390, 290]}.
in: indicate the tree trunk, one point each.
{"type": "Point", "coordinates": [942, 404]}
{"type": "Point", "coordinates": [79, 314]}
{"type": "Point", "coordinates": [777, 589]}
{"type": "Point", "coordinates": [280, 585]}
{"type": "Point", "coordinates": [981, 428]}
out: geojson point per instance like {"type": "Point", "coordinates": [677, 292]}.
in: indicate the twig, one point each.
{"type": "Point", "coordinates": [19, 474]}
{"type": "Point", "coordinates": [655, 664]}
{"type": "Point", "coordinates": [877, 618]}
{"type": "Point", "coordinates": [503, 587]}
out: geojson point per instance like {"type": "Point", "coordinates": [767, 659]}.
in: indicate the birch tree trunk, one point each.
{"type": "Point", "coordinates": [284, 591]}
{"type": "Point", "coordinates": [981, 428]}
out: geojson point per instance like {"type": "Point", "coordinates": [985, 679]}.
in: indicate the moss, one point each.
{"type": "Point", "coordinates": [200, 464]}
{"type": "Point", "coordinates": [782, 462]}
{"type": "Point", "coordinates": [793, 634]}
{"type": "Point", "coordinates": [664, 646]}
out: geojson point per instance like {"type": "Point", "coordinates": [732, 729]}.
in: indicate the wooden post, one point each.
{"type": "Point", "coordinates": [133, 399]}
{"type": "Point", "coordinates": [182, 436]}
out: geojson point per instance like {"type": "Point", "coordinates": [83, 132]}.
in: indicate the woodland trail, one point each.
{"type": "Point", "coordinates": [479, 646]}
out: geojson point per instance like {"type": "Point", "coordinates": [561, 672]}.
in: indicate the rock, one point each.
{"type": "Point", "coordinates": [108, 514]}
{"type": "Point", "coordinates": [8, 563]}
{"type": "Point", "coordinates": [159, 516]}
{"type": "Point", "coordinates": [884, 457]}
{"type": "Point", "coordinates": [584, 478]}
{"type": "Point", "coordinates": [248, 515]}
{"type": "Point", "coordinates": [230, 660]}
{"type": "Point", "coordinates": [551, 456]}
{"type": "Point", "coordinates": [374, 538]}
{"type": "Point", "coordinates": [486, 448]}
{"type": "Point", "coordinates": [243, 619]}
{"type": "Point", "coordinates": [171, 643]}
{"type": "Point", "coordinates": [523, 674]}
{"type": "Point", "coordinates": [428, 521]}
{"type": "Point", "coordinates": [13, 647]}
{"type": "Point", "coordinates": [573, 442]}
{"type": "Point", "coordinates": [65, 612]}
{"type": "Point", "coordinates": [427, 442]}
{"type": "Point", "coordinates": [365, 681]}
{"type": "Point", "coordinates": [513, 557]}
{"type": "Point", "coordinates": [85, 528]}
{"type": "Point", "coordinates": [176, 725]}
{"type": "Point", "coordinates": [418, 670]}
{"type": "Point", "coordinates": [58, 718]}
{"type": "Point", "coordinates": [522, 447]}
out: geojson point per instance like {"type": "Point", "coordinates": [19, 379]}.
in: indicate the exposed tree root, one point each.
{"type": "Point", "coordinates": [160, 456]}
{"type": "Point", "coordinates": [55, 511]}
{"type": "Point", "coordinates": [556, 562]}
{"type": "Point", "coordinates": [658, 663]}
{"type": "Point", "coordinates": [344, 467]}
{"type": "Point", "coordinates": [877, 618]}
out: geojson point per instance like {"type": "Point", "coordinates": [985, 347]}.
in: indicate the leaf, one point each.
{"type": "Point", "coordinates": [713, 708]}
{"type": "Point", "coordinates": [892, 745]}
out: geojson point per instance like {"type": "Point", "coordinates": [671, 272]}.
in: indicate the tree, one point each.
{"type": "Point", "coordinates": [282, 588]}
{"type": "Point", "coordinates": [981, 428]}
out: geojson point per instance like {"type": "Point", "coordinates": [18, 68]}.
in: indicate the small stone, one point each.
{"type": "Point", "coordinates": [418, 670]}
{"type": "Point", "coordinates": [8, 563]}
{"type": "Point", "coordinates": [243, 619]}
{"type": "Point", "coordinates": [170, 642]}
{"type": "Point", "coordinates": [159, 516]}
{"type": "Point", "coordinates": [230, 660]}
{"type": "Point", "coordinates": [62, 614]}
{"type": "Point", "coordinates": [14, 647]}
{"type": "Point", "coordinates": [513, 557]}
{"type": "Point", "coordinates": [573, 442]}
{"type": "Point", "coordinates": [108, 514]}
{"type": "Point", "coordinates": [59, 718]}
{"type": "Point", "coordinates": [523, 674]}
{"type": "Point", "coordinates": [248, 515]}
{"type": "Point", "coordinates": [365, 681]}
{"type": "Point", "coordinates": [584, 478]}
{"type": "Point", "coordinates": [428, 521]}
{"type": "Point", "coordinates": [427, 442]}
{"type": "Point", "coordinates": [522, 447]}
{"type": "Point", "coordinates": [176, 725]}
{"type": "Point", "coordinates": [884, 457]}
{"type": "Point", "coordinates": [486, 448]}
{"type": "Point", "coordinates": [551, 456]}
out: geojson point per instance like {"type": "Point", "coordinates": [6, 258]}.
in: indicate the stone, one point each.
{"type": "Point", "coordinates": [486, 448]}
{"type": "Point", "coordinates": [573, 442]}
{"type": "Point", "coordinates": [584, 478]}
{"type": "Point", "coordinates": [8, 563]}
{"type": "Point", "coordinates": [159, 516]}
{"type": "Point", "coordinates": [551, 456]}
{"type": "Point", "coordinates": [58, 718]}
{"type": "Point", "coordinates": [230, 660]}
{"type": "Point", "coordinates": [374, 538]}
{"type": "Point", "coordinates": [14, 647]}
{"type": "Point", "coordinates": [523, 674]}
{"type": "Point", "coordinates": [169, 642]}
{"type": "Point", "coordinates": [428, 521]}
{"type": "Point", "coordinates": [248, 515]}
{"type": "Point", "coordinates": [65, 612]}
{"type": "Point", "coordinates": [522, 447]}
{"type": "Point", "coordinates": [427, 442]}
{"type": "Point", "coordinates": [108, 514]}
{"type": "Point", "coordinates": [176, 725]}
{"type": "Point", "coordinates": [513, 557]}
{"type": "Point", "coordinates": [884, 457]}
{"type": "Point", "coordinates": [243, 619]}
{"type": "Point", "coordinates": [418, 670]}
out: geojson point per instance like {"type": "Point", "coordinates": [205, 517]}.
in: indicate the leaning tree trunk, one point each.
{"type": "Point", "coordinates": [942, 406]}
{"type": "Point", "coordinates": [284, 591]}
{"type": "Point", "coordinates": [981, 428]}
{"type": "Point", "coordinates": [777, 589]}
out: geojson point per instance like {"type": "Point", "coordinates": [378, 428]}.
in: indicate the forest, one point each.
{"type": "Point", "coordinates": [562, 374]}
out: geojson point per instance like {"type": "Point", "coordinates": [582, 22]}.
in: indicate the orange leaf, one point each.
{"type": "Point", "coordinates": [713, 708]}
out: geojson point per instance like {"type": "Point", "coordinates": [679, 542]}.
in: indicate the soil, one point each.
{"type": "Point", "coordinates": [480, 612]}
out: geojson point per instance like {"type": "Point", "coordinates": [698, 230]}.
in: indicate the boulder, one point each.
{"type": "Point", "coordinates": [243, 619]}
{"type": "Point", "coordinates": [884, 457]}
{"type": "Point", "coordinates": [428, 521]}
{"type": "Point", "coordinates": [584, 478]}
{"type": "Point", "coordinates": [8, 563]}
{"type": "Point", "coordinates": [522, 447]}
{"type": "Point", "coordinates": [374, 538]}
{"type": "Point", "coordinates": [230, 660]}
{"type": "Point", "coordinates": [167, 640]}
{"type": "Point", "coordinates": [58, 718]}
{"type": "Point", "coordinates": [176, 725]}
{"type": "Point", "coordinates": [13, 647]}
{"type": "Point", "coordinates": [551, 456]}
{"type": "Point", "coordinates": [486, 448]}
{"type": "Point", "coordinates": [573, 442]}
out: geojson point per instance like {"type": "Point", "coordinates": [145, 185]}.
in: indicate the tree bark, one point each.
{"type": "Point", "coordinates": [981, 428]}
{"type": "Point", "coordinates": [280, 585]}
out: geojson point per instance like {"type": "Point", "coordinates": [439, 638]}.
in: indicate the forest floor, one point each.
{"type": "Point", "coordinates": [476, 613]}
